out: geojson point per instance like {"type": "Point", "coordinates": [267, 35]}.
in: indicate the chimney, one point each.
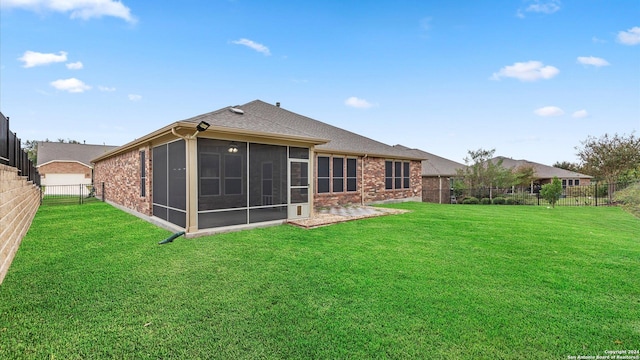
{"type": "Point", "coordinates": [278, 104]}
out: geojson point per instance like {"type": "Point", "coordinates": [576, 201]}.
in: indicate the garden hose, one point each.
{"type": "Point", "coordinates": [171, 238]}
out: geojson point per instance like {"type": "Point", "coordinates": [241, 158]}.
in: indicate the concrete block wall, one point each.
{"type": "Point", "coordinates": [19, 202]}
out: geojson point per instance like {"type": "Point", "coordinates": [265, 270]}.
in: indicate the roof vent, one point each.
{"type": "Point", "coordinates": [236, 110]}
{"type": "Point", "coordinates": [278, 104]}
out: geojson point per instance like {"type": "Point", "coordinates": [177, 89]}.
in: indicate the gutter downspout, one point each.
{"type": "Point", "coordinates": [191, 222]}
{"type": "Point", "coordinates": [362, 181]}
{"type": "Point", "coordinates": [440, 190]}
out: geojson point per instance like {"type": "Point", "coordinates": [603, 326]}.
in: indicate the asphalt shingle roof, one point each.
{"type": "Point", "coordinates": [262, 117]}
{"type": "Point", "coordinates": [57, 151]}
{"type": "Point", "coordinates": [541, 171]}
{"type": "Point", "coordinates": [434, 165]}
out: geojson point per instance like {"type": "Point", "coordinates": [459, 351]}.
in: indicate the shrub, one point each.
{"type": "Point", "coordinates": [485, 201]}
{"type": "Point", "coordinates": [552, 192]}
{"type": "Point", "coordinates": [629, 198]}
{"type": "Point", "coordinates": [499, 201]}
{"type": "Point", "coordinates": [511, 201]}
{"type": "Point", "coordinates": [470, 200]}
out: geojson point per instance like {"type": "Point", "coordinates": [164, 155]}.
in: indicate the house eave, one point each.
{"type": "Point", "coordinates": [188, 129]}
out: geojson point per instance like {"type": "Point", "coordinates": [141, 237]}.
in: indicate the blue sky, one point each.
{"type": "Point", "coordinates": [531, 79]}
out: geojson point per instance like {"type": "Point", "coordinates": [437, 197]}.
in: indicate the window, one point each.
{"type": "Point", "coordinates": [576, 182]}
{"type": "Point", "coordinates": [397, 175]}
{"type": "Point", "coordinates": [143, 175]}
{"type": "Point", "coordinates": [334, 176]}
{"type": "Point", "coordinates": [571, 182]}
{"type": "Point", "coordinates": [388, 175]}
{"type": "Point", "coordinates": [323, 174]}
{"type": "Point", "coordinates": [233, 174]}
{"type": "Point", "coordinates": [397, 165]}
{"type": "Point", "coordinates": [405, 175]}
{"type": "Point", "coordinates": [338, 174]}
{"type": "Point", "coordinates": [564, 183]}
{"type": "Point", "coordinates": [209, 174]}
{"type": "Point", "coordinates": [351, 174]}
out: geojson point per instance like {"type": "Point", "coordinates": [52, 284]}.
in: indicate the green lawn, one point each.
{"type": "Point", "coordinates": [440, 282]}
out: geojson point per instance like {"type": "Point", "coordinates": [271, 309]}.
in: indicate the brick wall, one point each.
{"type": "Point", "coordinates": [19, 201]}
{"type": "Point", "coordinates": [121, 177]}
{"type": "Point", "coordinates": [64, 167]}
{"type": "Point", "coordinates": [374, 185]}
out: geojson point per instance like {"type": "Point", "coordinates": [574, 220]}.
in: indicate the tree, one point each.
{"type": "Point", "coordinates": [484, 172]}
{"type": "Point", "coordinates": [524, 175]}
{"type": "Point", "coordinates": [31, 148]}
{"type": "Point", "coordinates": [552, 192]}
{"type": "Point", "coordinates": [568, 166]}
{"type": "Point", "coordinates": [609, 157]}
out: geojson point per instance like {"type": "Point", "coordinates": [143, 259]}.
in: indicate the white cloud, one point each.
{"type": "Point", "coordinates": [107, 89]}
{"type": "Point", "coordinates": [253, 45]}
{"type": "Point", "coordinates": [358, 103]}
{"type": "Point", "coordinates": [71, 85]}
{"type": "Point", "coordinates": [425, 24]}
{"type": "Point", "coordinates": [630, 37]}
{"type": "Point", "coordinates": [580, 114]}
{"type": "Point", "coordinates": [597, 40]}
{"type": "Point", "coordinates": [83, 9]}
{"type": "Point", "coordinates": [135, 97]}
{"type": "Point", "coordinates": [33, 58]}
{"type": "Point", "coordinates": [537, 6]}
{"type": "Point", "coordinates": [527, 71]}
{"type": "Point", "coordinates": [547, 111]}
{"type": "Point", "coordinates": [548, 7]}
{"type": "Point", "coordinates": [591, 60]}
{"type": "Point", "coordinates": [75, 66]}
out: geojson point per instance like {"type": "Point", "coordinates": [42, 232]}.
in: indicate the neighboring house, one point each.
{"type": "Point", "coordinates": [67, 164]}
{"type": "Point", "coordinates": [438, 174]}
{"type": "Point", "coordinates": [249, 165]}
{"type": "Point", "coordinates": [544, 174]}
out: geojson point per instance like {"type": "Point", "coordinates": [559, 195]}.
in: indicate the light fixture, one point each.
{"type": "Point", "coordinates": [233, 148]}
{"type": "Point", "coordinates": [202, 126]}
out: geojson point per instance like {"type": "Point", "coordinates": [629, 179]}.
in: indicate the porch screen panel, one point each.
{"type": "Point", "coordinates": [177, 175]}
{"type": "Point", "coordinates": [221, 174]}
{"type": "Point", "coordinates": [160, 182]}
{"type": "Point", "coordinates": [267, 175]}
{"type": "Point", "coordinates": [222, 218]}
{"type": "Point", "coordinates": [169, 182]}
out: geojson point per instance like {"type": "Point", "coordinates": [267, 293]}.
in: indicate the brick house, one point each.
{"type": "Point", "coordinates": [438, 174]}
{"type": "Point", "coordinates": [67, 164]}
{"type": "Point", "coordinates": [251, 165]}
{"type": "Point", "coordinates": [544, 174]}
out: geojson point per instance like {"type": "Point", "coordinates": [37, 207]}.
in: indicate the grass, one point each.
{"type": "Point", "coordinates": [441, 282]}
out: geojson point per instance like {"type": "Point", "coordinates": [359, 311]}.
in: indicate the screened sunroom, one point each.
{"type": "Point", "coordinates": [237, 183]}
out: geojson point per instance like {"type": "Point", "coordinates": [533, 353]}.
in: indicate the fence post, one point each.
{"type": "Point", "coordinates": [596, 192]}
{"type": "Point", "coordinates": [80, 194]}
{"type": "Point", "coordinates": [103, 191]}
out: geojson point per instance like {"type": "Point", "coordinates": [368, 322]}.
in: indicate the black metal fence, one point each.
{"type": "Point", "coordinates": [11, 153]}
{"type": "Point", "coordinates": [67, 194]}
{"type": "Point", "coordinates": [596, 194]}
